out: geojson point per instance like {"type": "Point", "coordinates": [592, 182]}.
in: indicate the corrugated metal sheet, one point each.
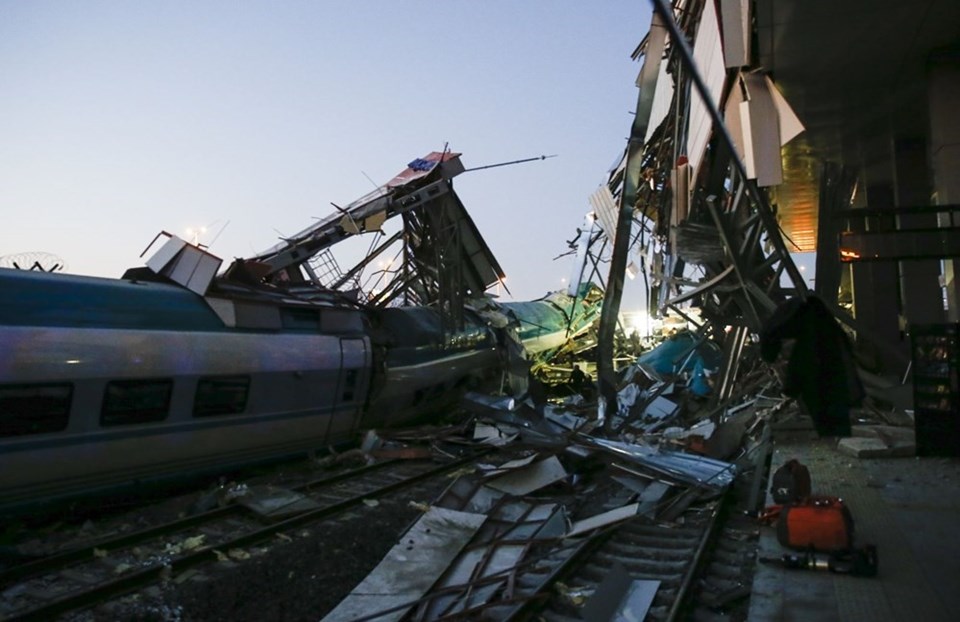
{"type": "Point", "coordinates": [605, 208]}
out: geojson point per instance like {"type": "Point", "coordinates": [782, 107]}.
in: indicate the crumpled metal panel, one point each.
{"type": "Point", "coordinates": [688, 468]}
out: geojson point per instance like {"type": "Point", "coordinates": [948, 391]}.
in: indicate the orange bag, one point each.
{"type": "Point", "coordinates": [821, 523]}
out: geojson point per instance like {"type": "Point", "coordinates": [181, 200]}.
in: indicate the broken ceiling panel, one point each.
{"type": "Point", "coordinates": [790, 125]}
{"type": "Point", "coordinates": [708, 54]}
{"type": "Point", "coordinates": [523, 481]}
{"type": "Point", "coordinates": [735, 16]}
{"type": "Point", "coordinates": [605, 208]}
{"type": "Point", "coordinates": [736, 115]}
{"type": "Point", "coordinates": [662, 100]}
{"type": "Point", "coordinates": [772, 123]}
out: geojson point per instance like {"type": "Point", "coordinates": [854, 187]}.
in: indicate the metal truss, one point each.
{"type": "Point", "coordinates": [713, 223]}
{"type": "Point", "coordinates": [437, 259]}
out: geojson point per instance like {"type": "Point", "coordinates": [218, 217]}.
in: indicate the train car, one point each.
{"type": "Point", "coordinates": [107, 383]}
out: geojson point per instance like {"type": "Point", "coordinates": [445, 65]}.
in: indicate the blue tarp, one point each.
{"type": "Point", "coordinates": [669, 356]}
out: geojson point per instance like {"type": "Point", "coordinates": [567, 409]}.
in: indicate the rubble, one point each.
{"type": "Point", "coordinates": [558, 477]}
{"type": "Point", "coordinates": [552, 484]}
{"type": "Point", "coordinates": [274, 503]}
{"type": "Point", "coordinates": [879, 441]}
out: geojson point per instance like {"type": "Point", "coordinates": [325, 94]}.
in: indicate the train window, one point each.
{"type": "Point", "coordinates": [224, 395]}
{"type": "Point", "coordinates": [300, 319]}
{"type": "Point", "coordinates": [340, 321]}
{"type": "Point", "coordinates": [135, 401]}
{"type": "Point", "coordinates": [34, 408]}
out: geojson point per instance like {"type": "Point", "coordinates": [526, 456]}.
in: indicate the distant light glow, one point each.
{"type": "Point", "coordinates": [194, 234]}
{"type": "Point", "coordinates": [638, 322]}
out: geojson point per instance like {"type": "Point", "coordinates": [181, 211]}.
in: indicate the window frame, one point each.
{"type": "Point", "coordinates": [210, 408]}
{"type": "Point", "coordinates": [122, 414]}
{"type": "Point", "coordinates": [58, 417]}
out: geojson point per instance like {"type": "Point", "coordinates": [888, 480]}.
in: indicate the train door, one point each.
{"type": "Point", "coordinates": [352, 387]}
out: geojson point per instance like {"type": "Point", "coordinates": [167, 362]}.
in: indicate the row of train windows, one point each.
{"type": "Point", "coordinates": [40, 408]}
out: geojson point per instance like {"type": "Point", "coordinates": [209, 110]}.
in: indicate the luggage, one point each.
{"type": "Point", "coordinates": [820, 523]}
{"type": "Point", "coordinates": [790, 483]}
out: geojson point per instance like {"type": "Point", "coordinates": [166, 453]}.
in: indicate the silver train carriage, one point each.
{"type": "Point", "coordinates": [105, 383]}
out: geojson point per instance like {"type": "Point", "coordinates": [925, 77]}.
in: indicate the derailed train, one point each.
{"type": "Point", "coordinates": [107, 383]}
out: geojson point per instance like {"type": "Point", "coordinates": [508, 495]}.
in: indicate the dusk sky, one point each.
{"type": "Point", "coordinates": [122, 119]}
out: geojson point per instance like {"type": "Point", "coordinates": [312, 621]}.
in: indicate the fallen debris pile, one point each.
{"type": "Point", "coordinates": [495, 540]}
{"type": "Point", "coordinates": [559, 484]}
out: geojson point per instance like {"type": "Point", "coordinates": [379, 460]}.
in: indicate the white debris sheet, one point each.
{"type": "Point", "coordinates": [601, 520]}
{"type": "Point", "coordinates": [411, 567]}
{"type": "Point", "coordinates": [523, 481]}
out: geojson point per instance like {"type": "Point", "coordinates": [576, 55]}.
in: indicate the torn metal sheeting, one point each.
{"type": "Point", "coordinates": [660, 408]}
{"type": "Point", "coordinates": [629, 482]}
{"type": "Point", "coordinates": [485, 402]}
{"type": "Point", "coordinates": [606, 518]}
{"type": "Point", "coordinates": [651, 492]}
{"type": "Point", "coordinates": [533, 477]}
{"type": "Point", "coordinates": [620, 598]}
{"type": "Point", "coordinates": [687, 468]}
{"type": "Point", "coordinates": [511, 465]}
{"type": "Point", "coordinates": [497, 548]}
{"type": "Point", "coordinates": [704, 428]}
{"type": "Point", "coordinates": [469, 495]}
{"type": "Point", "coordinates": [276, 503]}
{"type": "Point", "coordinates": [564, 421]}
{"type": "Point", "coordinates": [652, 497]}
{"type": "Point", "coordinates": [488, 563]}
{"type": "Point", "coordinates": [411, 567]}
{"type": "Point", "coordinates": [493, 435]}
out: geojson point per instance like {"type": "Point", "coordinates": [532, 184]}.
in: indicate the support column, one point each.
{"type": "Point", "coordinates": [920, 291]}
{"type": "Point", "coordinates": [836, 182]}
{"type": "Point", "coordinates": [943, 93]}
{"type": "Point", "coordinates": [877, 297]}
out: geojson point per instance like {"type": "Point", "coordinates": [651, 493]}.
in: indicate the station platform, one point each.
{"type": "Point", "coordinates": [909, 508]}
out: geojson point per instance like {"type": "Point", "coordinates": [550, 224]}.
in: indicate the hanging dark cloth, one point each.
{"type": "Point", "coordinates": [820, 371]}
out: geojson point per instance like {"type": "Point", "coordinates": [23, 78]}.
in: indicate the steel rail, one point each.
{"type": "Point", "coordinates": [699, 557]}
{"type": "Point", "coordinates": [38, 566]}
{"type": "Point", "coordinates": [143, 577]}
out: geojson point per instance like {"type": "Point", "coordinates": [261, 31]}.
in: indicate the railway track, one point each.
{"type": "Point", "coordinates": [696, 564]}
{"type": "Point", "coordinates": [703, 565]}
{"type": "Point", "coordinates": [556, 587]}
{"type": "Point", "coordinates": [54, 585]}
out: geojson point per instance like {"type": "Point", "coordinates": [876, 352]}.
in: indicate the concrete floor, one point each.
{"type": "Point", "coordinates": [908, 507]}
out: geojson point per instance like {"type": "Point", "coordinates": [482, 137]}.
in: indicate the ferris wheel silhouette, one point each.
{"type": "Point", "coordinates": [36, 260]}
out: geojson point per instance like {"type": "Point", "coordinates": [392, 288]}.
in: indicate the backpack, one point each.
{"type": "Point", "coordinates": [790, 483]}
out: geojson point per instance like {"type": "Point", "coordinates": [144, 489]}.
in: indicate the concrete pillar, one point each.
{"type": "Point", "coordinates": [828, 232]}
{"type": "Point", "coordinates": [920, 291]}
{"type": "Point", "coordinates": [943, 95]}
{"type": "Point", "coordinates": [877, 298]}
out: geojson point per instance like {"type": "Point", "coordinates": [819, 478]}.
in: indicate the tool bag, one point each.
{"type": "Point", "coordinates": [790, 483]}
{"type": "Point", "coordinates": [820, 523]}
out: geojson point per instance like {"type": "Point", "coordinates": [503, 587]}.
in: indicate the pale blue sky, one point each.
{"type": "Point", "coordinates": [121, 119]}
